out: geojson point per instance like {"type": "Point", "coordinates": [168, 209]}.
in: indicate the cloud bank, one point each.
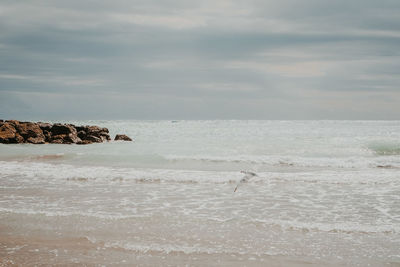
{"type": "Point", "coordinates": [227, 59]}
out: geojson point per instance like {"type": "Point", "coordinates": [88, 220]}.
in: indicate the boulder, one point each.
{"type": "Point", "coordinates": [35, 140]}
{"type": "Point", "coordinates": [105, 130]}
{"type": "Point", "coordinates": [82, 134]}
{"type": "Point", "coordinates": [97, 131]}
{"type": "Point", "coordinates": [84, 142]}
{"type": "Point", "coordinates": [57, 141]}
{"type": "Point", "coordinates": [66, 132]}
{"type": "Point", "coordinates": [59, 128]}
{"type": "Point", "coordinates": [7, 133]}
{"type": "Point", "coordinates": [47, 136]}
{"type": "Point", "coordinates": [81, 128]}
{"type": "Point", "coordinates": [44, 126]}
{"type": "Point", "coordinates": [19, 139]}
{"type": "Point", "coordinates": [29, 129]}
{"type": "Point", "coordinates": [72, 138]}
{"type": "Point", "coordinates": [93, 139]}
{"type": "Point", "coordinates": [93, 134]}
{"type": "Point", "coordinates": [93, 130]}
{"type": "Point", "coordinates": [122, 137]}
{"type": "Point", "coordinates": [65, 139]}
{"type": "Point", "coordinates": [58, 136]}
{"type": "Point", "coordinates": [13, 122]}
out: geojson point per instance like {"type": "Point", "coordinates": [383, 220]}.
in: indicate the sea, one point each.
{"type": "Point", "coordinates": [326, 193]}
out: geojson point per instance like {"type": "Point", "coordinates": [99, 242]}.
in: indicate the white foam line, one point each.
{"type": "Point", "coordinates": [54, 173]}
{"type": "Point", "coordinates": [67, 214]}
{"type": "Point", "coordinates": [348, 227]}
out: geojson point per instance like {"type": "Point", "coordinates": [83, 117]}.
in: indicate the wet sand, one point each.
{"type": "Point", "coordinates": [22, 251]}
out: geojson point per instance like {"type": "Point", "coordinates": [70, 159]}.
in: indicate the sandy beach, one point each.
{"type": "Point", "coordinates": [81, 252]}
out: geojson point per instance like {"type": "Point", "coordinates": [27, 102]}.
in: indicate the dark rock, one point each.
{"type": "Point", "coordinates": [84, 142]}
{"type": "Point", "coordinates": [65, 139]}
{"type": "Point", "coordinates": [95, 131]}
{"type": "Point", "coordinates": [57, 141]}
{"type": "Point", "coordinates": [7, 133]}
{"type": "Point", "coordinates": [19, 139]}
{"type": "Point", "coordinates": [58, 136]}
{"type": "Point", "coordinates": [81, 128]}
{"type": "Point", "coordinates": [73, 138]}
{"type": "Point", "coordinates": [59, 128]}
{"type": "Point", "coordinates": [93, 139]}
{"type": "Point", "coordinates": [13, 122]}
{"type": "Point", "coordinates": [82, 134]}
{"type": "Point", "coordinates": [29, 129]}
{"type": "Point", "coordinates": [35, 140]}
{"type": "Point", "coordinates": [122, 137]}
{"type": "Point", "coordinates": [67, 131]}
{"type": "Point", "coordinates": [47, 136]}
{"type": "Point", "coordinates": [44, 126]}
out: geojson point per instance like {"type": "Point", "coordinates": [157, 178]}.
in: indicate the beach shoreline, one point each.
{"type": "Point", "coordinates": [22, 251]}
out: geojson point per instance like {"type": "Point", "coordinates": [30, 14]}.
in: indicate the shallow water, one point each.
{"type": "Point", "coordinates": [326, 192]}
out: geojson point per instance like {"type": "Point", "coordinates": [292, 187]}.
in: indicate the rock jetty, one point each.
{"type": "Point", "coordinates": [17, 132]}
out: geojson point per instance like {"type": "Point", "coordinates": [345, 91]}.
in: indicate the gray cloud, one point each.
{"type": "Point", "coordinates": [204, 59]}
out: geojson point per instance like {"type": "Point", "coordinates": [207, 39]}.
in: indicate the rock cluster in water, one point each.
{"type": "Point", "coordinates": [15, 132]}
{"type": "Point", "coordinates": [122, 137]}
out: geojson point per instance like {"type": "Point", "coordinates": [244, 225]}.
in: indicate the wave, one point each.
{"type": "Point", "coordinates": [33, 172]}
{"type": "Point", "coordinates": [97, 215]}
{"type": "Point", "coordinates": [286, 163]}
{"type": "Point", "coordinates": [283, 225]}
{"type": "Point", "coordinates": [163, 248]}
{"type": "Point", "coordinates": [41, 172]}
{"type": "Point", "coordinates": [385, 148]}
{"type": "Point", "coordinates": [339, 227]}
{"type": "Point", "coordinates": [291, 161]}
{"type": "Point", "coordinates": [381, 155]}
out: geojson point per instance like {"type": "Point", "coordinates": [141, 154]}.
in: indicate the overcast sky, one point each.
{"type": "Point", "coordinates": [181, 59]}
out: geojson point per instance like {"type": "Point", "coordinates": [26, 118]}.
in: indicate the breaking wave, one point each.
{"type": "Point", "coordinates": [39, 172]}
{"type": "Point", "coordinates": [386, 148]}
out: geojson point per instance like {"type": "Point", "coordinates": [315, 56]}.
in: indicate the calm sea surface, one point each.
{"type": "Point", "coordinates": [327, 192]}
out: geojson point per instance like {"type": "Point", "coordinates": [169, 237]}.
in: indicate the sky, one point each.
{"type": "Point", "coordinates": [212, 59]}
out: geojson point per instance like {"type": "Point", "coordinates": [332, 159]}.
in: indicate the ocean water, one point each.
{"type": "Point", "coordinates": [327, 192]}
